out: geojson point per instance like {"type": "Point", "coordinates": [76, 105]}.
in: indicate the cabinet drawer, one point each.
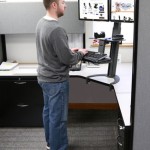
{"type": "Point", "coordinates": [121, 127]}
{"type": "Point", "coordinates": [120, 143]}
{"type": "Point", "coordinates": [124, 134]}
{"type": "Point", "coordinates": [21, 92]}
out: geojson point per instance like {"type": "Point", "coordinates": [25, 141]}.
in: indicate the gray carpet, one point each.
{"type": "Point", "coordinates": [87, 130]}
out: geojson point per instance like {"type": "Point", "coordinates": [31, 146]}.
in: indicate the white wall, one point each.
{"type": "Point", "coordinates": [22, 47]}
{"type": "Point", "coordinates": [126, 29]}
{"type": "Point", "coordinates": [126, 53]}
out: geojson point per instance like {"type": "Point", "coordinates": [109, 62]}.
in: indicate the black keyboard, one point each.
{"type": "Point", "coordinates": [94, 57]}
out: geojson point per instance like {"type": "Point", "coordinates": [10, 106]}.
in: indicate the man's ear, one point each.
{"type": "Point", "coordinates": [54, 5]}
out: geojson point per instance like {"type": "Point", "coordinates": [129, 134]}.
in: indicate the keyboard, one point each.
{"type": "Point", "coordinates": [94, 57]}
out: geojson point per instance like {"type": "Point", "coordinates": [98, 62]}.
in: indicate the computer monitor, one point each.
{"type": "Point", "coordinates": [93, 10]}
{"type": "Point", "coordinates": [122, 10]}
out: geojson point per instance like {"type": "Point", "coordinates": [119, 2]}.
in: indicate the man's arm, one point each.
{"type": "Point", "coordinates": [64, 53]}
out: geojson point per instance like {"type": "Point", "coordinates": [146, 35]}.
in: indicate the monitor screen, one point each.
{"type": "Point", "coordinates": [122, 10]}
{"type": "Point", "coordinates": [96, 10]}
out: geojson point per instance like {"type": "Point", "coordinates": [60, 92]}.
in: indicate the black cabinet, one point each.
{"type": "Point", "coordinates": [123, 139]}
{"type": "Point", "coordinates": [21, 102]}
{"type": "Point", "coordinates": [21, 90]}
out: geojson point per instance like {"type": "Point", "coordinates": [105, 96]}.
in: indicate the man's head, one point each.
{"type": "Point", "coordinates": [56, 7]}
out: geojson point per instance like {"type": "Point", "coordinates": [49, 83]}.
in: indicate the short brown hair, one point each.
{"type": "Point", "coordinates": [47, 3]}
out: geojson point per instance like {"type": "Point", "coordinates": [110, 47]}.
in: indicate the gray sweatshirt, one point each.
{"type": "Point", "coordinates": [53, 53]}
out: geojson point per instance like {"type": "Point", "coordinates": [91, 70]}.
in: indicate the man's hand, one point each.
{"type": "Point", "coordinates": [74, 50]}
{"type": "Point", "coordinates": [83, 51]}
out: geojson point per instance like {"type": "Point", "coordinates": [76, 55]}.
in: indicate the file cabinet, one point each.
{"type": "Point", "coordinates": [21, 102]}
{"type": "Point", "coordinates": [123, 138]}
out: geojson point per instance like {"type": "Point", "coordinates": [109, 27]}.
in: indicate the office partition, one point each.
{"type": "Point", "coordinates": [141, 78]}
{"type": "Point", "coordinates": [22, 17]}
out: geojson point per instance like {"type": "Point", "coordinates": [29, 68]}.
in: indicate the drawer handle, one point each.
{"type": "Point", "coordinates": [20, 82]}
{"type": "Point", "coordinates": [121, 127]}
{"type": "Point", "coordinates": [22, 105]}
{"type": "Point", "coordinates": [119, 142]}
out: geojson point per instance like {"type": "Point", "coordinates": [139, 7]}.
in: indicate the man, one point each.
{"type": "Point", "coordinates": [54, 58]}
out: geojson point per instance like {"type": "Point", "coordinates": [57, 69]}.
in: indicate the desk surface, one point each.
{"type": "Point", "coordinates": [122, 88]}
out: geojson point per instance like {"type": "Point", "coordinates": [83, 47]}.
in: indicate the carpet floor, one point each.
{"type": "Point", "coordinates": [87, 130]}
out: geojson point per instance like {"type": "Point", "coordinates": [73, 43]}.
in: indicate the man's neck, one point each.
{"type": "Point", "coordinates": [51, 15]}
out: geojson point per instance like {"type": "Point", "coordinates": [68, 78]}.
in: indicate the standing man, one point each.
{"type": "Point", "coordinates": [54, 58]}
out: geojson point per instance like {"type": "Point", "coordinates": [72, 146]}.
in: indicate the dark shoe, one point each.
{"type": "Point", "coordinates": [47, 147]}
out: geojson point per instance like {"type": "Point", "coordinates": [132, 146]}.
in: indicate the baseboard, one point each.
{"type": "Point", "coordinates": [102, 106]}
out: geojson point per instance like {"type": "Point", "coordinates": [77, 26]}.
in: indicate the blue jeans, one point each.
{"type": "Point", "coordinates": [55, 114]}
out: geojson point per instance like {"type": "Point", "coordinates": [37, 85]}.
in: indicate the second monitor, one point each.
{"type": "Point", "coordinates": [122, 10]}
{"type": "Point", "coordinates": [96, 10]}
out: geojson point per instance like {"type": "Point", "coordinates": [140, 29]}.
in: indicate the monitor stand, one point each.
{"type": "Point", "coordinates": [114, 50]}
{"type": "Point", "coordinates": [101, 47]}
{"type": "Point", "coordinates": [113, 54]}
{"type": "Point", "coordinates": [116, 28]}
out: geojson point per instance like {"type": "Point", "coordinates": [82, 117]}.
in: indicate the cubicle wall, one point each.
{"type": "Point", "coordinates": [141, 114]}
{"type": "Point", "coordinates": [22, 17]}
